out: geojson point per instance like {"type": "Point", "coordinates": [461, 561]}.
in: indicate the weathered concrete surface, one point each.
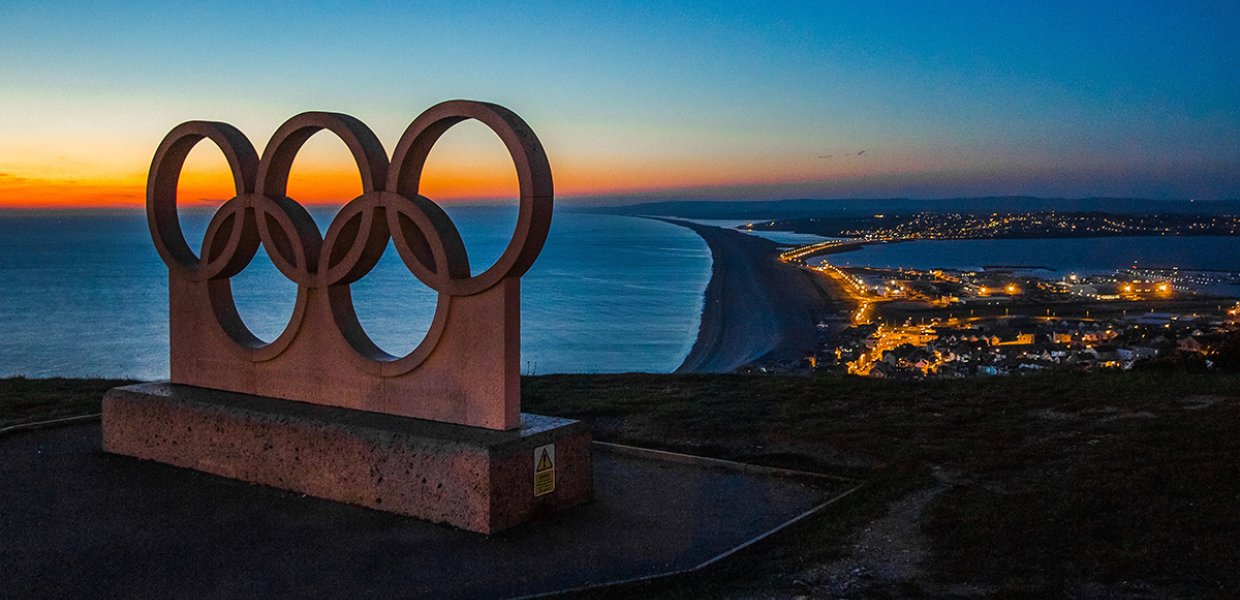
{"type": "Point", "coordinates": [80, 523]}
{"type": "Point", "coordinates": [473, 478]}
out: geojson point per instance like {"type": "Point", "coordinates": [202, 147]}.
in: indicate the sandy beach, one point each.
{"type": "Point", "coordinates": [757, 309]}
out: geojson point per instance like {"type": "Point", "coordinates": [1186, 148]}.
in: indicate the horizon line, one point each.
{"type": "Point", "coordinates": [618, 202]}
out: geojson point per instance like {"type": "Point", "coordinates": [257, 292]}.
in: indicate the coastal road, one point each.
{"type": "Point", "coordinates": [757, 309]}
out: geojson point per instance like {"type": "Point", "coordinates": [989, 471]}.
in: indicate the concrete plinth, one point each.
{"type": "Point", "coordinates": [476, 479]}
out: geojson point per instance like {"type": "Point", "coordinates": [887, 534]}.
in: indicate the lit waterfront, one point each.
{"type": "Point", "coordinates": [1017, 225]}
{"type": "Point", "coordinates": [1001, 320]}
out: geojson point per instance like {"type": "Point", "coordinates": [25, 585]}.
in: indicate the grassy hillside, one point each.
{"type": "Point", "coordinates": [27, 400]}
{"type": "Point", "coordinates": [1122, 484]}
{"type": "Point", "coordinates": [1104, 485]}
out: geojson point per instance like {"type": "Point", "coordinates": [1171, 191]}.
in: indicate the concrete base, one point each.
{"type": "Point", "coordinates": [476, 479]}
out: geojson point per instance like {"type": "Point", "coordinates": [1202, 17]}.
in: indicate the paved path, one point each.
{"type": "Point", "coordinates": [80, 523]}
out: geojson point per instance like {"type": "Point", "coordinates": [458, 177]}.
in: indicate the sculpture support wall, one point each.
{"type": "Point", "coordinates": [468, 477]}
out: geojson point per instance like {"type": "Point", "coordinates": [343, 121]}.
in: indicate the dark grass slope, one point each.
{"type": "Point", "coordinates": [1057, 485]}
{"type": "Point", "coordinates": [27, 400]}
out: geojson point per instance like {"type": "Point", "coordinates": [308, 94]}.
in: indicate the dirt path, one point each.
{"type": "Point", "coordinates": [887, 552]}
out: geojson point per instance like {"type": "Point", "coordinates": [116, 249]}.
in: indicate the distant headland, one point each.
{"type": "Point", "coordinates": [810, 207]}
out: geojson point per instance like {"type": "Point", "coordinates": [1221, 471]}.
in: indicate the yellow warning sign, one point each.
{"type": "Point", "coordinates": [544, 470]}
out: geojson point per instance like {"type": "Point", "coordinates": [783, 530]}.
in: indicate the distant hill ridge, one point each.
{"type": "Point", "coordinates": [797, 208]}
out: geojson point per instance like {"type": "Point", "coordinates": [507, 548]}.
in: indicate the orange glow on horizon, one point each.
{"type": "Point", "coordinates": [336, 187]}
{"type": "Point", "coordinates": [469, 163]}
{"type": "Point", "coordinates": [36, 192]}
{"type": "Point", "coordinates": [457, 170]}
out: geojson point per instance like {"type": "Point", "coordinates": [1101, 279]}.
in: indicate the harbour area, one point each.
{"type": "Point", "coordinates": [1004, 320]}
{"type": "Point", "coordinates": [998, 319]}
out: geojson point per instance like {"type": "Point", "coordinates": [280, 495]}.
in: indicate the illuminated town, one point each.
{"type": "Point", "coordinates": [905, 323]}
{"type": "Point", "coordinates": [958, 226]}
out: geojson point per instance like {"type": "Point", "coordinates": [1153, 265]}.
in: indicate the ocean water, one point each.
{"type": "Point", "coordinates": [1062, 256]}
{"type": "Point", "coordinates": [1080, 255]}
{"type": "Point", "coordinates": [86, 295]}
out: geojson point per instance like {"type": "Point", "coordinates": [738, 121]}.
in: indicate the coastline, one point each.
{"type": "Point", "coordinates": [756, 309]}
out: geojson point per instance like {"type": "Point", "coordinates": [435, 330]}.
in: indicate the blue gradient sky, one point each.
{"type": "Point", "coordinates": [711, 100]}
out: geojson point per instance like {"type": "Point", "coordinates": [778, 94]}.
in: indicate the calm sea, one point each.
{"type": "Point", "coordinates": [1061, 256]}
{"type": "Point", "coordinates": [86, 295]}
{"type": "Point", "coordinates": [1081, 255]}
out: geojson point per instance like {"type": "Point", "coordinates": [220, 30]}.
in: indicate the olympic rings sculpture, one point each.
{"type": "Point", "coordinates": [390, 208]}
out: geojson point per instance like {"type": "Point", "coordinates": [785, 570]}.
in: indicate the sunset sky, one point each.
{"type": "Point", "coordinates": [641, 101]}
